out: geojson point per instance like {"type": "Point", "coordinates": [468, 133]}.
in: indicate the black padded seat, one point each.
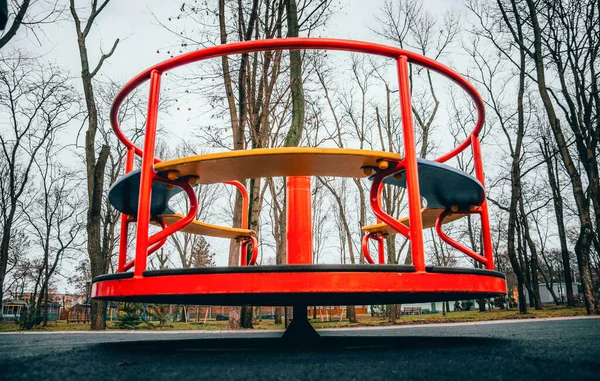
{"type": "Point", "coordinates": [443, 186]}
{"type": "Point", "coordinates": [123, 195]}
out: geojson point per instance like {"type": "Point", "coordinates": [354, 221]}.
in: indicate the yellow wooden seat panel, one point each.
{"type": "Point", "coordinates": [273, 162]}
{"type": "Point", "coordinates": [429, 217]}
{"type": "Point", "coordinates": [202, 228]}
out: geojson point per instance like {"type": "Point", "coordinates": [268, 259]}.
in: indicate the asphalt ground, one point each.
{"type": "Point", "coordinates": [554, 349]}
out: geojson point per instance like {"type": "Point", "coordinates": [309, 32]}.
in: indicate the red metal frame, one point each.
{"type": "Point", "coordinates": [125, 218]}
{"type": "Point", "coordinates": [380, 239]}
{"type": "Point", "coordinates": [453, 243]}
{"type": "Point", "coordinates": [299, 230]}
{"type": "Point", "coordinates": [316, 283]}
{"type": "Point", "coordinates": [244, 225]}
{"type": "Point", "coordinates": [152, 249]}
{"type": "Point", "coordinates": [244, 251]}
{"type": "Point", "coordinates": [298, 220]}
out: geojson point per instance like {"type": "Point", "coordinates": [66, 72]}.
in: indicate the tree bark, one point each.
{"type": "Point", "coordinates": [351, 314]}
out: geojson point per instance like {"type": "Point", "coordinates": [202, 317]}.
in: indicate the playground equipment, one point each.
{"type": "Point", "coordinates": [142, 196]}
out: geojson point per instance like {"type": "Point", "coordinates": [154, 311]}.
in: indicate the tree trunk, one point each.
{"type": "Point", "coordinates": [234, 318]}
{"type": "Point", "coordinates": [94, 166]}
{"type": "Point", "coordinates": [289, 313]}
{"type": "Point", "coordinates": [294, 134]}
{"type": "Point", "coordinates": [584, 240]}
{"type": "Point", "coordinates": [246, 317]}
{"type": "Point", "coordinates": [4, 253]}
{"type": "Point", "coordinates": [515, 179]}
{"type": "Point", "coordinates": [534, 263]}
{"type": "Point", "coordinates": [481, 304]}
{"type": "Point", "coordinates": [549, 286]}
{"type": "Point", "coordinates": [559, 214]}
{"type": "Point", "coordinates": [394, 312]}
{"type": "Point", "coordinates": [351, 314]}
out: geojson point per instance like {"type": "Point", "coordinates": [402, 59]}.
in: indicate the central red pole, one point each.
{"type": "Point", "coordinates": [299, 220]}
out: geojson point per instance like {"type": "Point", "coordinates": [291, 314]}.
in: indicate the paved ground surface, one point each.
{"type": "Point", "coordinates": [566, 349]}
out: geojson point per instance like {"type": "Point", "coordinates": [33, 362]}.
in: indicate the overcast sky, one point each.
{"type": "Point", "coordinates": [133, 21]}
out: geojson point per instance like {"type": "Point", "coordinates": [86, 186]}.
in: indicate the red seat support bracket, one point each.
{"type": "Point", "coordinates": [152, 249]}
{"type": "Point", "coordinates": [183, 184]}
{"type": "Point", "coordinates": [453, 243]}
{"type": "Point", "coordinates": [380, 249]}
{"type": "Point", "coordinates": [374, 199]}
{"type": "Point", "coordinates": [244, 251]}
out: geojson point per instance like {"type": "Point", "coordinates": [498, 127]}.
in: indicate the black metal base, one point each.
{"type": "Point", "coordinates": [300, 330]}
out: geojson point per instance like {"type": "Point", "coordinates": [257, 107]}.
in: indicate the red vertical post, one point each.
{"type": "Point", "coordinates": [146, 177]}
{"type": "Point", "coordinates": [410, 162]}
{"type": "Point", "coordinates": [299, 220]}
{"type": "Point", "coordinates": [381, 250]}
{"type": "Point", "coordinates": [485, 216]}
{"type": "Point", "coordinates": [380, 247]}
{"type": "Point", "coordinates": [379, 191]}
{"type": "Point", "coordinates": [125, 218]}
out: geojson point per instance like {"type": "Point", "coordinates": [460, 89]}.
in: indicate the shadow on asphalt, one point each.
{"type": "Point", "coordinates": [278, 345]}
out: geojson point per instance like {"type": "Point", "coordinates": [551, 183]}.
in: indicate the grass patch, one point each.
{"type": "Point", "coordinates": [363, 321]}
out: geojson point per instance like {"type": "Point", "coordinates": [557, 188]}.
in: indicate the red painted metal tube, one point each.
{"type": "Point", "coordinates": [244, 251]}
{"type": "Point", "coordinates": [123, 243]}
{"type": "Point", "coordinates": [245, 201]}
{"type": "Point", "coordinates": [410, 163]}
{"type": "Point", "coordinates": [374, 200]}
{"type": "Point", "coordinates": [316, 283]}
{"type": "Point", "coordinates": [152, 249]}
{"type": "Point", "coordinates": [147, 176]}
{"type": "Point", "coordinates": [453, 243]}
{"type": "Point", "coordinates": [244, 225]}
{"type": "Point", "coordinates": [478, 127]}
{"type": "Point", "coordinates": [254, 257]}
{"type": "Point", "coordinates": [365, 248]}
{"type": "Point", "coordinates": [402, 57]}
{"type": "Point", "coordinates": [295, 44]}
{"type": "Point", "coordinates": [381, 250]}
{"type": "Point", "coordinates": [485, 216]}
{"type": "Point", "coordinates": [379, 191]}
{"type": "Point", "coordinates": [299, 220]}
{"type": "Point", "coordinates": [125, 219]}
{"type": "Point", "coordinates": [160, 243]}
{"type": "Point", "coordinates": [184, 221]}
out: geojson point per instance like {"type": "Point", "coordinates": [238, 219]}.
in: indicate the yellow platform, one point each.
{"type": "Point", "coordinates": [202, 228]}
{"type": "Point", "coordinates": [274, 162]}
{"type": "Point", "coordinates": [428, 216]}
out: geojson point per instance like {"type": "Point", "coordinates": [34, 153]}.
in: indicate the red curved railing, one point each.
{"type": "Point", "coordinates": [408, 163]}
{"type": "Point", "coordinates": [297, 44]}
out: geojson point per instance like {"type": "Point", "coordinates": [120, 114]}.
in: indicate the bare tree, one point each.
{"type": "Point", "coordinates": [554, 181]}
{"type": "Point", "coordinates": [571, 28]}
{"type": "Point", "coordinates": [30, 15]}
{"type": "Point", "coordinates": [55, 223]}
{"type": "Point", "coordinates": [36, 102]}
{"type": "Point", "coordinates": [19, 15]}
{"type": "Point", "coordinates": [490, 75]}
{"type": "Point", "coordinates": [95, 161]}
